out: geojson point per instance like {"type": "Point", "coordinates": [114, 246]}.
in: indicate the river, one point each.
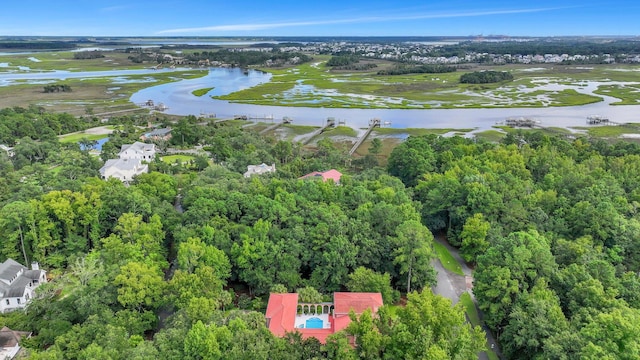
{"type": "Point", "coordinates": [180, 101]}
{"type": "Point", "coordinates": [177, 96]}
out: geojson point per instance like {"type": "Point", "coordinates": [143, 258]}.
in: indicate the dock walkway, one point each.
{"type": "Point", "coordinates": [372, 124]}
{"type": "Point", "coordinates": [331, 122]}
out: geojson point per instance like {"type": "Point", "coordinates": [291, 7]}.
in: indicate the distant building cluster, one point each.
{"type": "Point", "coordinates": [421, 53]}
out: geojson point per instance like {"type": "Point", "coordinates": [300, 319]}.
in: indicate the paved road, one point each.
{"type": "Point", "coordinates": [452, 285]}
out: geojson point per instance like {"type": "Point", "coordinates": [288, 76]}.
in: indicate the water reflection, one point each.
{"type": "Point", "coordinates": [177, 96]}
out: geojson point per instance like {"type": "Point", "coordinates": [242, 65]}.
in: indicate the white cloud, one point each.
{"type": "Point", "coordinates": [265, 26]}
{"type": "Point", "coordinates": [115, 8]}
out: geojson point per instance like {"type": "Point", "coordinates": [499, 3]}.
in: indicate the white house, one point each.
{"type": "Point", "coordinates": [123, 169]}
{"type": "Point", "coordinates": [138, 150]}
{"type": "Point", "coordinates": [259, 169]}
{"type": "Point", "coordinates": [18, 284]}
{"type": "Point", "coordinates": [7, 149]}
{"type": "Point", "coordinates": [9, 342]}
{"type": "Point", "coordinates": [131, 162]}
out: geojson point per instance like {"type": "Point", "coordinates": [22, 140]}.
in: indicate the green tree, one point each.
{"type": "Point", "coordinates": [366, 280]}
{"type": "Point", "coordinates": [376, 146]}
{"type": "Point", "coordinates": [201, 343]}
{"type": "Point", "coordinates": [309, 294]}
{"type": "Point", "coordinates": [194, 253]}
{"type": "Point", "coordinates": [448, 333]}
{"type": "Point", "coordinates": [536, 317]}
{"type": "Point", "coordinates": [474, 237]}
{"type": "Point", "coordinates": [510, 267]}
{"type": "Point", "coordinates": [413, 253]}
{"type": "Point", "coordinates": [140, 286]}
{"type": "Point", "coordinates": [15, 221]}
{"type": "Point", "coordinates": [412, 159]}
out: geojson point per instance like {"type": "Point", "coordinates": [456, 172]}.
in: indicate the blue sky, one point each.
{"type": "Point", "coordinates": [318, 18]}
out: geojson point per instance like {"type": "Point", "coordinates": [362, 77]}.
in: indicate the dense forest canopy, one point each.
{"type": "Point", "coordinates": [553, 228]}
{"type": "Point", "coordinates": [123, 256]}
{"type": "Point", "coordinates": [419, 69]}
{"type": "Point", "coordinates": [541, 47]}
{"type": "Point", "coordinates": [485, 77]}
{"type": "Point", "coordinates": [38, 45]}
{"type": "Point", "coordinates": [179, 264]}
{"type": "Point", "coordinates": [251, 57]}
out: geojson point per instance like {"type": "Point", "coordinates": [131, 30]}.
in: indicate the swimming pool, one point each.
{"type": "Point", "coordinates": [314, 323]}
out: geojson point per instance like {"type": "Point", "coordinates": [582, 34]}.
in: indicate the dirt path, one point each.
{"type": "Point", "coordinates": [452, 286]}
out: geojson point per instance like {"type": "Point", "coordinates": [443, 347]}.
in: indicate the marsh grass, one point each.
{"type": "Point", "coordinates": [416, 131]}
{"type": "Point", "coordinates": [490, 135]}
{"type": "Point", "coordinates": [611, 131]}
{"type": "Point", "coordinates": [628, 94]}
{"type": "Point", "coordinates": [201, 92]}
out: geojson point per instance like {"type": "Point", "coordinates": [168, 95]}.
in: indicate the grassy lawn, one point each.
{"type": "Point", "coordinates": [172, 159]}
{"type": "Point", "coordinates": [474, 319]}
{"type": "Point", "coordinates": [447, 259]}
{"type": "Point", "coordinates": [492, 355]}
{"type": "Point", "coordinates": [490, 135]}
{"type": "Point", "coordinates": [77, 137]}
{"type": "Point", "coordinates": [470, 309]}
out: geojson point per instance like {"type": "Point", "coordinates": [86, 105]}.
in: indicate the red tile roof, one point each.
{"type": "Point", "coordinates": [332, 174]}
{"type": "Point", "coordinates": [344, 302]}
{"type": "Point", "coordinates": [281, 313]}
{"type": "Point", "coordinates": [282, 310]}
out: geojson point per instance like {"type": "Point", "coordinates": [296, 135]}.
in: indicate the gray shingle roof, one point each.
{"type": "Point", "coordinates": [158, 132]}
{"type": "Point", "coordinates": [10, 338]}
{"type": "Point", "coordinates": [8, 271]}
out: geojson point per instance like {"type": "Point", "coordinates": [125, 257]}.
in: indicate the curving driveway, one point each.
{"type": "Point", "coordinates": [452, 286]}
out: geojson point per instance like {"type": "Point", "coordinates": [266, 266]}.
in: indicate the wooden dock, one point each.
{"type": "Point", "coordinates": [285, 120]}
{"type": "Point", "coordinates": [520, 122]}
{"type": "Point", "coordinates": [597, 119]}
{"type": "Point", "coordinates": [372, 124]}
{"type": "Point", "coordinates": [331, 122]}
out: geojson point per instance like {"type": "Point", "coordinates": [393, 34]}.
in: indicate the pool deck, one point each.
{"type": "Point", "coordinates": [301, 320]}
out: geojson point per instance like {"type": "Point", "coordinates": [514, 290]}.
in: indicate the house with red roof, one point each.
{"type": "Point", "coordinates": [332, 174]}
{"type": "Point", "coordinates": [285, 314]}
